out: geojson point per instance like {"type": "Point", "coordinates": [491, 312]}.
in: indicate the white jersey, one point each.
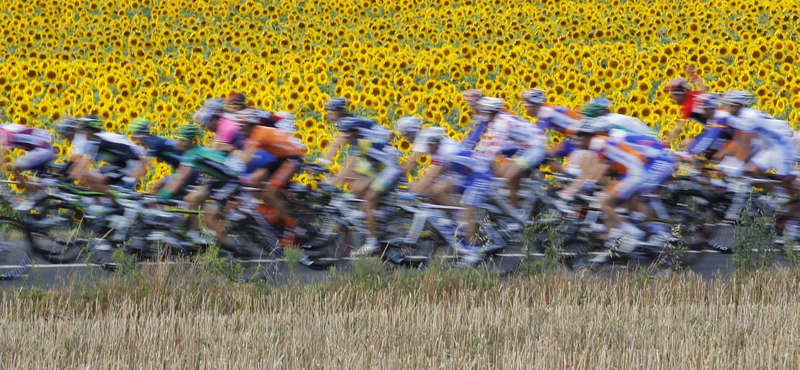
{"type": "Point", "coordinates": [627, 124]}
{"type": "Point", "coordinates": [768, 131]}
{"type": "Point", "coordinates": [508, 133]}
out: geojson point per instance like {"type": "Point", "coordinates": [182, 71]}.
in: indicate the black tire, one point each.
{"type": "Point", "coordinates": [399, 252]}
{"type": "Point", "coordinates": [14, 235]}
{"type": "Point", "coordinates": [58, 231]}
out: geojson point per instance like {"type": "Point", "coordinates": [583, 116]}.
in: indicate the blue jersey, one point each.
{"type": "Point", "coordinates": [164, 149]}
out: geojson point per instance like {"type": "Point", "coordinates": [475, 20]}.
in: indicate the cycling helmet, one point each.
{"type": "Point", "coordinates": [534, 96]}
{"type": "Point", "coordinates": [189, 132]}
{"type": "Point", "coordinates": [336, 104]}
{"type": "Point", "coordinates": [67, 125]}
{"type": "Point", "coordinates": [211, 110]}
{"type": "Point", "coordinates": [677, 86]}
{"type": "Point", "coordinates": [235, 101]}
{"type": "Point", "coordinates": [92, 122]}
{"type": "Point", "coordinates": [428, 136]}
{"type": "Point", "coordinates": [736, 97]}
{"type": "Point", "coordinates": [601, 101]}
{"type": "Point", "coordinates": [707, 100]}
{"type": "Point", "coordinates": [139, 126]}
{"type": "Point", "coordinates": [348, 124]}
{"type": "Point", "coordinates": [593, 110]}
{"type": "Point", "coordinates": [407, 125]}
{"type": "Point", "coordinates": [490, 105]}
{"type": "Point", "coordinates": [284, 121]}
{"type": "Point", "coordinates": [471, 96]}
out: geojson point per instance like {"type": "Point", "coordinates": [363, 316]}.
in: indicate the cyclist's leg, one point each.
{"type": "Point", "coordinates": [35, 161]}
{"type": "Point", "coordinates": [220, 192]}
{"type": "Point", "coordinates": [194, 199]}
{"type": "Point", "coordinates": [281, 175]}
{"type": "Point", "coordinates": [476, 190]}
{"type": "Point", "coordinates": [386, 180]}
{"type": "Point", "coordinates": [344, 173]}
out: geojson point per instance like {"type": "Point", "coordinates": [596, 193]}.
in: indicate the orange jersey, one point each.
{"type": "Point", "coordinates": [277, 142]}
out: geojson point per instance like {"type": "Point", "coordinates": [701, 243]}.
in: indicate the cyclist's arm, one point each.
{"type": "Point", "coordinates": [410, 163]}
{"type": "Point", "coordinates": [679, 125]}
{"type": "Point", "coordinates": [142, 170]}
{"type": "Point", "coordinates": [475, 135]}
{"type": "Point", "coordinates": [744, 139]}
{"type": "Point", "coordinates": [337, 143]}
{"type": "Point", "coordinates": [425, 181]}
{"type": "Point", "coordinates": [3, 154]}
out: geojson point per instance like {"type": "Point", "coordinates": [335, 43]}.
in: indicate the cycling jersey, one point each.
{"type": "Point", "coordinates": [164, 149]}
{"type": "Point", "coordinates": [214, 162]}
{"type": "Point", "coordinates": [14, 135]}
{"type": "Point", "coordinates": [556, 118]}
{"type": "Point", "coordinates": [688, 109]}
{"type": "Point", "coordinates": [112, 148]}
{"type": "Point", "coordinates": [773, 146]}
{"type": "Point", "coordinates": [506, 135]}
{"type": "Point", "coordinates": [626, 124]}
{"type": "Point", "coordinates": [277, 142]}
{"type": "Point", "coordinates": [35, 141]}
{"type": "Point", "coordinates": [470, 173]}
{"type": "Point", "coordinates": [717, 132]}
{"type": "Point", "coordinates": [644, 161]}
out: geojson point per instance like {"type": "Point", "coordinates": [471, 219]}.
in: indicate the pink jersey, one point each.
{"type": "Point", "coordinates": [227, 130]}
{"type": "Point", "coordinates": [13, 135]}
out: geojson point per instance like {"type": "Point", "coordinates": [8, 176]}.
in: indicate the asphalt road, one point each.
{"type": "Point", "coordinates": [29, 268]}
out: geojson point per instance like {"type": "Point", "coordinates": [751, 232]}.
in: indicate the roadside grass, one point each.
{"type": "Point", "coordinates": [193, 315]}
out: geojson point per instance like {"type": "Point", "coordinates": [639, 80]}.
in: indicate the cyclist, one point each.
{"type": "Point", "coordinates": [411, 130]}
{"type": "Point", "coordinates": [273, 155]}
{"type": "Point", "coordinates": [235, 114]}
{"type": "Point", "coordinates": [716, 135]}
{"type": "Point", "coordinates": [223, 169]}
{"type": "Point", "coordinates": [161, 148]}
{"type": "Point", "coordinates": [35, 142]}
{"type": "Point", "coordinates": [556, 118]}
{"type": "Point", "coordinates": [209, 114]}
{"type": "Point", "coordinates": [127, 162]}
{"type": "Point", "coordinates": [373, 170]}
{"type": "Point", "coordinates": [763, 142]}
{"type": "Point", "coordinates": [645, 163]}
{"type": "Point", "coordinates": [467, 172]}
{"type": "Point", "coordinates": [598, 110]}
{"type": "Point", "coordinates": [682, 94]}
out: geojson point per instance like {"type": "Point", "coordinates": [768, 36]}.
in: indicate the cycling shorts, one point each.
{"type": "Point", "coordinates": [475, 190]}
{"type": "Point", "coordinates": [282, 172]}
{"type": "Point", "coordinates": [780, 158]}
{"type": "Point", "coordinates": [35, 160]}
{"type": "Point", "coordinates": [530, 158]}
{"type": "Point", "coordinates": [261, 159]}
{"type": "Point", "coordinates": [658, 171]}
{"type": "Point", "coordinates": [386, 180]}
{"type": "Point", "coordinates": [711, 140]}
{"type": "Point", "coordinates": [628, 184]}
{"type": "Point", "coordinates": [222, 190]}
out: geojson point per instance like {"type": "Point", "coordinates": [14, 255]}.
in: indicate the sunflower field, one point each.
{"type": "Point", "coordinates": [124, 59]}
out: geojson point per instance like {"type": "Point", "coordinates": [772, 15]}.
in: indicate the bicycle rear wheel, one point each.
{"type": "Point", "coordinates": [59, 231]}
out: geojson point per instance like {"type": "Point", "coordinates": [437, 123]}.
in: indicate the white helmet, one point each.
{"type": "Point", "coordinates": [736, 97]}
{"type": "Point", "coordinates": [427, 137]}
{"type": "Point", "coordinates": [409, 124]}
{"type": "Point", "coordinates": [490, 105]}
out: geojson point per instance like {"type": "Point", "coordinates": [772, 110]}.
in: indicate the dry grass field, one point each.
{"type": "Point", "coordinates": [181, 318]}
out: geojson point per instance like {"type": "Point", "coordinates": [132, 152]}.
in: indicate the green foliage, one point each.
{"type": "Point", "coordinates": [753, 237]}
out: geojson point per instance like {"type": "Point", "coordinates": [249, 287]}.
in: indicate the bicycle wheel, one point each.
{"type": "Point", "coordinates": [59, 231]}
{"type": "Point", "coordinates": [402, 252]}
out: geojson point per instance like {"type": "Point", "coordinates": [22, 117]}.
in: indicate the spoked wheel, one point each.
{"type": "Point", "coordinates": [403, 253]}
{"type": "Point", "coordinates": [577, 253]}
{"type": "Point", "coordinates": [14, 238]}
{"type": "Point", "coordinates": [59, 231]}
{"type": "Point", "coordinates": [331, 244]}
